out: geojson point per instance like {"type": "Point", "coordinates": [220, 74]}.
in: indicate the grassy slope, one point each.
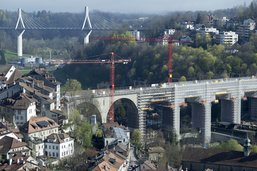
{"type": "Point", "coordinates": [9, 56]}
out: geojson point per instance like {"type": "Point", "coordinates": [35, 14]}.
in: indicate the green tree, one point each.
{"type": "Point", "coordinates": [230, 145]}
{"type": "Point", "coordinates": [183, 78]}
{"type": "Point", "coordinates": [2, 57]}
{"type": "Point", "coordinates": [83, 133]}
{"type": "Point", "coordinates": [136, 138]}
{"type": "Point", "coordinates": [191, 72]}
{"type": "Point", "coordinates": [71, 86]}
{"type": "Point", "coordinates": [254, 148]}
{"type": "Point", "coordinates": [83, 129]}
{"type": "Point", "coordinates": [210, 75]}
{"type": "Point", "coordinates": [75, 117]}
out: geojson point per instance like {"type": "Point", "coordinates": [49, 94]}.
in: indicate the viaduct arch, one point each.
{"type": "Point", "coordinates": [200, 94]}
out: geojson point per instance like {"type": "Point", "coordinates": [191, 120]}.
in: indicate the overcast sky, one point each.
{"type": "Point", "coordinates": [124, 6]}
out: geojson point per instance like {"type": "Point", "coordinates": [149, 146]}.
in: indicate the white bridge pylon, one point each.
{"type": "Point", "coordinates": [89, 25]}
{"type": "Point", "coordinates": [19, 38]}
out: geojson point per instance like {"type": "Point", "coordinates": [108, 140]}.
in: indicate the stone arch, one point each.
{"type": "Point", "coordinates": [103, 103]}
{"type": "Point", "coordinates": [131, 111]}
{"type": "Point", "coordinates": [88, 109]}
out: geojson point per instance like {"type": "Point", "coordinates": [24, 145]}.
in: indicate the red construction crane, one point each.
{"type": "Point", "coordinates": [112, 61]}
{"type": "Point", "coordinates": [169, 59]}
{"type": "Point", "coordinates": [168, 39]}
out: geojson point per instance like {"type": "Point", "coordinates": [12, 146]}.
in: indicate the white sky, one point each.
{"type": "Point", "coordinates": [123, 6]}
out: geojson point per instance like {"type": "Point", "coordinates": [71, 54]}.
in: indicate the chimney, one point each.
{"type": "Point", "coordinates": [247, 147]}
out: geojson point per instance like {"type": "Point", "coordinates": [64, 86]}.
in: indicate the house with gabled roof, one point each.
{"type": "Point", "coordinates": [39, 127]}
{"type": "Point", "coordinates": [48, 80]}
{"type": "Point", "coordinates": [111, 162]}
{"type": "Point", "coordinates": [10, 147]}
{"type": "Point", "coordinates": [5, 130]}
{"type": "Point", "coordinates": [20, 108]}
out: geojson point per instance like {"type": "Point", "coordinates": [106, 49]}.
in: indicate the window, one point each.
{"type": "Point", "coordinates": [57, 154]}
{"type": "Point", "coordinates": [45, 146]}
{"type": "Point", "coordinates": [56, 147]}
{"type": "Point", "coordinates": [53, 146]}
{"type": "Point", "coordinates": [49, 146]}
{"type": "Point", "coordinates": [17, 117]}
{"type": "Point", "coordinates": [53, 154]}
{"type": "Point", "coordinates": [21, 117]}
{"type": "Point", "coordinates": [19, 112]}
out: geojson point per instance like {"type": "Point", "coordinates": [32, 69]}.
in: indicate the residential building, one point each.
{"type": "Point", "coordinates": [147, 166]}
{"type": "Point", "coordinates": [246, 29]}
{"type": "Point", "coordinates": [112, 162]}
{"type": "Point", "coordinates": [136, 35]}
{"type": "Point", "coordinates": [10, 147]}
{"type": "Point", "coordinates": [50, 81]}
{"type": "Point", "coordinates": [59, 146]}
{"type": "Point", "coordinates": [24, 108]}
{"type": "Point", "coordinates": [21, 163]}
{"type": "Point", "coordinates": [6, 131]}
{"type": "Point", "coordinates": [39, 127]}
{"type": "Point", "coordinates": [210, 30]}
{"type": "Point", "coordinates": [228, 38]}
{"type": "Point", "coordinates": [250, 23]}
{"type": "Point", "coordinates": [217, 159]}
{"type": "Point", "coordinates": [43, 88]}
{"type": "Point", "coordinates": [186, 40]}
{"type": "Point", "coordinates": [115, 134]}
{"type": "Point", "coordinates": [37, 145]}
{"type": "Point", "coordinates": [167, 36]}
{"type": "Point", "coordinates": [188, 25]}
{"type": "Point", "coordinates": [20, 108]}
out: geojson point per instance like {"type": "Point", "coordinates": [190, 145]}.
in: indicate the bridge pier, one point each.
{"type": "Point", "coordinates": [201, 120]}
{"type": "Point", "coordinates": [253, 108]}
{"type": "Point", "coordinates": [236, 109]}
{"type": "Point", "coordinates": [86, 38]}
{"type": "Point", "coordinates": [176, 120]}
{"type": "Point", "coordinates": [19, 44]}
{"type": "Point", "coordinates": [206, 130]}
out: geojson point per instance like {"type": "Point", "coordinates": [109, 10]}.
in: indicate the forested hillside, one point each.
{"type": "Point", "coordinates": [149, 63]}
{"type": "Point", "coordinates": [201, 60]}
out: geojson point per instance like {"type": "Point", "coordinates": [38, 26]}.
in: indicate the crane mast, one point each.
{"type": "Point", "coordinates": [170, 59]}
{"type": "Point", "coordinates": [168, 39]}
{"type": "Point", "coordinates": [112, 63]}
{"type": "Point", "coordinates": [112, 88]}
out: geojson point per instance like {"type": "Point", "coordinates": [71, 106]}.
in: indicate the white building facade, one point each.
{"type": "Point", "coordinates": [23, 115]}
{"type": "Point", "coordinates": [59, 146]}
{"type": "Point", "coordinates": [228, 38]}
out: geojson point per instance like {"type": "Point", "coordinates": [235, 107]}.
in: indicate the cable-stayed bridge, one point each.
{"type": "Point", "coordinates": [81, 22]}
{"type": "Point", "coordinates": [31, 21]}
